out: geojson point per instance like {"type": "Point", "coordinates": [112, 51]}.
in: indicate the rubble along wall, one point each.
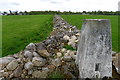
{"type": "Point", "coordinates": [38, 60]}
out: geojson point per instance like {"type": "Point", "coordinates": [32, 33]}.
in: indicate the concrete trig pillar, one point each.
{"type": "Point", "coordinates": [94, 56]}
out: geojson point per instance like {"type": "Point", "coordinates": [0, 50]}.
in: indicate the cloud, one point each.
{"type": "Point", "coordinates": [62, 5]}
{"type": "Point", "coordinates": [56, 1]}
{"type": "Point", "coordinates": [14, 3]}
{"type": "Point", "coordinates": [8, 3]}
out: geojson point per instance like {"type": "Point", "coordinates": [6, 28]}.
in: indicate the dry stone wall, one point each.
{"type": "Point", "coordinates": [39, 60]}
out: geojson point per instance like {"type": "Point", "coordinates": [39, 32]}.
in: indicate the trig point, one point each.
{"type": "Point", "coordinates": [94, 56]}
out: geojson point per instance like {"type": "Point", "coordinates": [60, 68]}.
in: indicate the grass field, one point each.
{"type": "Point", "coordinates": [77, 21]}
{"type": "Point", "coordinates": [19, 31]}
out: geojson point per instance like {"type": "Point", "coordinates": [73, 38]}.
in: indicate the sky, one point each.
{"type": "Point", "coordinates": [61, 5]}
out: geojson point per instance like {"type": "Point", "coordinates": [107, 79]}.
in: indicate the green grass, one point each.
{"type": "Point", "coordinates": [19, 31]}
{"type": "Point", "coordinates": [56, 74]}
{"type": "Point", "coordinates": [77, 21]}
{"type": "Point", "coordinates": [68, 47]}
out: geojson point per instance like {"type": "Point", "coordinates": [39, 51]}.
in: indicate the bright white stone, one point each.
{"type": "Point", "coordinates": [66, 54]}
{"type": "Point", "coordinates": [76, 41]}
{"type": "Point", "coordinates": [74, 37]}
{"type": "Point", "coordinates": [68, 51]}
{"type": "Point", "coordinates": [66, 37]}
{"type": "Point", "coordinates": [63, 50]}
{"type": "Point", "coordinates": [59, 54]}
{"type": "Point", "coordinates": [71, 53]}
{"type": "Point", "coordinates": [70, 30]}
{"type": "Point", "coordinates": [78, 34]}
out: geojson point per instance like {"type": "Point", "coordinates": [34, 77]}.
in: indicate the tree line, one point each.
{"type": "Point", "coordinates": [59, 12]}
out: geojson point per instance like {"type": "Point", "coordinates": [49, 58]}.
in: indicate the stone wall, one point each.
{"type": "Point", "coordinates": [39, 60]}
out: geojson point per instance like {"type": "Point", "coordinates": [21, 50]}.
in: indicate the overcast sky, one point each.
{"type": "Point", "coordinates": [62, 5]}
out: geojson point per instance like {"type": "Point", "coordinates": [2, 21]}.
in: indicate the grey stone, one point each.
{"type": "Point", "coordinates": [67, 58]}
{"type": "Point", "coordinates": [12, 65]}
{"type": "Point", "coordinates": [31, 47]}
{"type": "Point", "coordinates": [45, 69]}
{"type": "Point", "coordinates": [74, 57]}
{"type": "Point", "coordinates": [56, 62]}
{"type": "Point", "coordinates": [1, 78]}
{"type": "Point", "coordinates": [5, 69]}
{"type": "Point", "coordinates": [44, 53]}
{"type": "Point", "coordinates": [16, 56]}
{"type": "Point", "coordinates": [1, 72]}
{"type": "Point", "coordinates": [28, 65]}
{"type": "Point", "coordinates": [72, 53]}
{"type": "Point", "coordinates": [30, 72]}
{"type": "Point", "coordinates": [24, 72]}
{"type": "Point", "coordinates": [36, 54]}
{"type": "Point", "coordinates": [40, 46]}
{"type": "Point", "coordinates": [22, 76]}
{"type": "Point", "coordinates": [5, 60]}
{"type": "Point", "coordinates": [48, 41]}
{"type": "Point", "coordinates": [19, 60]}
{"type": "Point", "coordinates": [5, 74]}
{"type": "Point", "coordinates": [18, 71]}
{"type": "Point", "coordinates": [39, 74]}
{"type": "Point", "coordinates": [38, 61]}
{"type": "Point", "coordinates": [28, 54]}
{"type": "Point", "coordinates": [11, 75]}
{"type": "Point", "coordinates": [67, 53]}
{"type": "Point", "coordinates": [116, 60]}
{"type": "Point", "coordinates": [42, 50]}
